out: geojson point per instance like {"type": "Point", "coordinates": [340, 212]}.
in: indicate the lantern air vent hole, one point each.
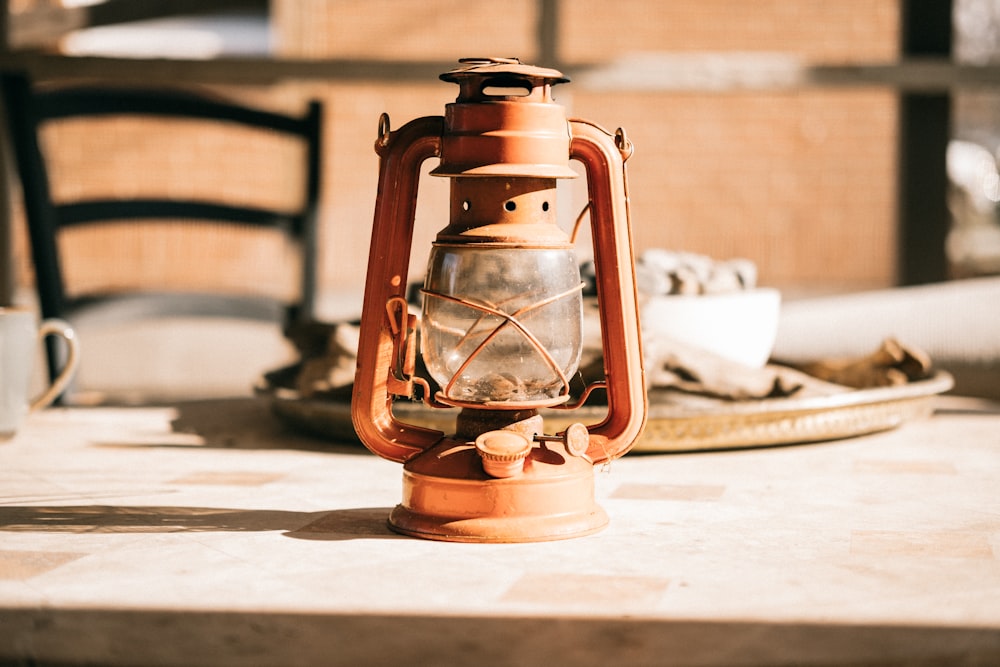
{"type": "Point", "coordinates": [510, 206]}
{"type": "Point", "coordinates": [466, 205]}
{"type": "Point", "coordinates": [545, 206]}
{"type": "Point", "coordinates": [506, 87]}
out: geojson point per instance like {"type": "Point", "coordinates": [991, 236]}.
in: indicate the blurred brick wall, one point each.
{"type": "Point", "coordinates": [404, 29]}
{"type": "Point", "coordinates": [816, 30]}
{"type": "Point", "coordinates": [802, 182]}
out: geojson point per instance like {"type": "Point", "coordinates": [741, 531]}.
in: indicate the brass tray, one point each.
{"type": "Point", "coordinates": [678, 424]}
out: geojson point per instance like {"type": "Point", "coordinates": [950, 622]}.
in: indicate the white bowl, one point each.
{"type": "Point", "coordinates": [737, 326]}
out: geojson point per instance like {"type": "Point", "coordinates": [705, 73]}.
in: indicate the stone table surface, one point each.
{"type": "Point", "coordinates": [209, 533]}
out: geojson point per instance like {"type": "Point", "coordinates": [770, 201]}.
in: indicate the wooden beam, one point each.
{"type": "Point", "coordinates": [664, 73]}
{"type": "Point", "coordinates": [124, 11]}
{"type": "Point", "coordinates": [923, 219]}
{"type": "Point", "coordinates": [548, 33]}
{"type": "Point", "coordinates": [235, 70]}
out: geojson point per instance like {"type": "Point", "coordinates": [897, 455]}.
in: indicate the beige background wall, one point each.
{"type": "Point", "coordinates": [802, 182]}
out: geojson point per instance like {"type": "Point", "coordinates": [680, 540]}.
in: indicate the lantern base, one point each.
{"type": "Point", "coordinates": [448, 497]}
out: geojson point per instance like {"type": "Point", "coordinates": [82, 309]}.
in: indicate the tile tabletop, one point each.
{"type": "Point", "coordinates": [210, 533]}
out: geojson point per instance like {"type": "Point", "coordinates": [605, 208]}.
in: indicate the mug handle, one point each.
{"type": "Point", "coordinates": [61, 328]}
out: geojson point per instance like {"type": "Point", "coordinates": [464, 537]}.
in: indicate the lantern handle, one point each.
{"type": "Point", "coordinates": [401, 154]}
{"type": "Point", "coordinates": [603, 157]}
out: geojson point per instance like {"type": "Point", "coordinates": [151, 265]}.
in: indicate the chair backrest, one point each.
{"type": "Point", "coordinates": [202, 207]}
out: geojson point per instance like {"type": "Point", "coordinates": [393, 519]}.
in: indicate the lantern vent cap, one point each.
{"type": "Point", "coordinates": [487, 67]}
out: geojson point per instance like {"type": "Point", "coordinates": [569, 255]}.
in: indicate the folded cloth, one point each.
{"type": "Point", "coordinates": [672, 365]}
{"type": "Point", "coordinates": [676, 365]}
{"type": "Point", "coordinates": [328, 358]}
{"type": "Point", "coordinates": [956, 322]}
{"type": "Point", "coordinates": [892, 364]}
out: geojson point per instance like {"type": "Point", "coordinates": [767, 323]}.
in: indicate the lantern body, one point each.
{"type": "Point", "coordinates": [501, 326]}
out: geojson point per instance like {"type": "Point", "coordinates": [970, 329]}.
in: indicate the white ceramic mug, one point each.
{"type": "Point", "coordinates": [19, 336]}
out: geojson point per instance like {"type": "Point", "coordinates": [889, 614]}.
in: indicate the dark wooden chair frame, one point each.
{"type": "Point", "coordinates": [27, 108]}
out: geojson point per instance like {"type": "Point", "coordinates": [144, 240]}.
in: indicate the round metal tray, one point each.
{"type": "Point", "coordinates": [673, 426]}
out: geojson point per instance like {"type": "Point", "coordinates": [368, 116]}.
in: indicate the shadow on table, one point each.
{"type": "Point", "coordinates": [344, 524]}
{"type": "Point", "coordinates": [249, 423]}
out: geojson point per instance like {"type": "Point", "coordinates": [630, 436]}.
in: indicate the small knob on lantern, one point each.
{"type": "Point", "coordinates": [577, 440]}
{"type": "Point", "coordinates": [503, 452]}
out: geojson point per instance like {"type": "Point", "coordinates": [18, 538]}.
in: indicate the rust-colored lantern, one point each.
{"type": "Point", "coordinates": [500, 333]}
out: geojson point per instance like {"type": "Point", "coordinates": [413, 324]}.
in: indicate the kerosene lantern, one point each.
{"type": "Point", "coordinates": [500, 332]}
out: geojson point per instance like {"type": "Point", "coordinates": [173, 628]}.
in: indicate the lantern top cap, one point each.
{"type": "Point", "coordinates": [483, 67]}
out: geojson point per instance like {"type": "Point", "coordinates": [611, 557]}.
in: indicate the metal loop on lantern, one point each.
{"type": "Point", "coordinates": [384, 130]}
{"type": "Point", "coordinates": [623, 144]}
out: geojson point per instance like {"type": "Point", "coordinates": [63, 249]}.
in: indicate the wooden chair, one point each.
{"type": "Point", "coordinates": [169, 229]}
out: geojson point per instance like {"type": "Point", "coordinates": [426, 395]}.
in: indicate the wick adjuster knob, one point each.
{"type": "Point", "coordinates": [503, 452]}
{"type": "Point", "coordinates": [577, 440]}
